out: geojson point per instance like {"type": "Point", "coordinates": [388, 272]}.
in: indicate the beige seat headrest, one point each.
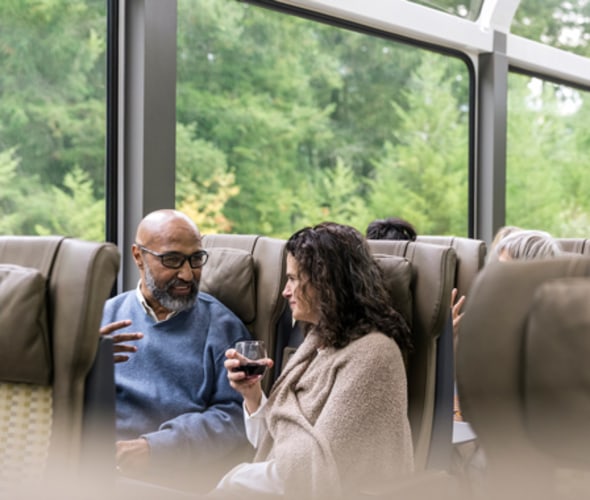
{"type": "Point", "coordinates": [229, 276]}
{"type": "Point", "coordinates": [398, 282]}
{"type": "Point", "coordinates": [25, 354]}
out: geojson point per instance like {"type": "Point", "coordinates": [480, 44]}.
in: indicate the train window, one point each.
{"type": "Point", "coordinates": [469, 9]}
{"type": "Point", "coordinates": [52, 118]}
{"type": "Point", "coordinates": [547, 175]}
{"type": "Point", "coordinates": [565, 25]}
{"type": "Point", "coordinates": [283, 122]}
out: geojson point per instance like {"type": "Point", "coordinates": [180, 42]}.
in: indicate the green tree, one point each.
{"type": "Point", "coordinates": [247, 82]}
{"type": "Point", "coordinates": [75, 211]}
{"type": "Point", "coordinates": [333, 195]}
{"type": "Point", "coordinates": [423, 177]}
{"type": "Point", "coordinates": [288, 101]}
{"type": "Point", "coordinates": [543, 174]}
{"type": "Point", "coordinates": [204, 182]}
{"type": "Point", "coordinates": [52, 98]}
{"type": "Point", "coordinates": [559, 23]}
{"type": "Point", "coordinates": [574, 218]}
{"type": "Point", "coordinates": [11, 193]}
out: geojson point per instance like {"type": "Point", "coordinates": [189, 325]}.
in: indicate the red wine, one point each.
{"type": "Point", "coordinates": [251, 369]}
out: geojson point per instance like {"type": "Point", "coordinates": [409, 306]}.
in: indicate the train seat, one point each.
{"type": "Point", "coordinates": [471, 255]}
{"type": "Point", "coordinates": [430, 385]}
{"type": "Point", "coordinates": [247, 274]}
{"type": "Point", "coordinates": [575, 245]}
{"type": "Point", "coordinates": [52, 291]}
{"type": "Point", "coordinates": [522, 377]}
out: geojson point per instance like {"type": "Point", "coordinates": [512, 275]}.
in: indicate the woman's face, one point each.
{"type": "Point", "coordinates": [302, 305]}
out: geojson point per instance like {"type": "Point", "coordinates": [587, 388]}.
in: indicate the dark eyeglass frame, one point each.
{"type": "Point", "coordinates": [195, 260]}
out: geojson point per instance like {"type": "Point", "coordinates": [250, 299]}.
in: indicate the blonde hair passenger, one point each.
{"type": "Point", "coordinates": [502, 233]}
{"type": "Point", "coordinates": [525, 244]}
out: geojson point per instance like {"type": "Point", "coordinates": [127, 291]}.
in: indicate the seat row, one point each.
{"type": "Point", "coordinates": [56, 374]}
{"type": "Point", "coordinates": [54, 356]}
{"type": "Point", "coordinates": [247, 273]}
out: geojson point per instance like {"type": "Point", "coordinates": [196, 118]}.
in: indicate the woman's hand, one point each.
{"type": "Point", "coordinates": [248, 386]}
{"type": "Point", "coordinates": [456, 313]}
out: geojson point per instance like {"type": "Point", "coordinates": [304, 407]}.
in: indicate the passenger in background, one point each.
{"type": "Point", "coordinates": [509, 243]}
{"type": "Point", "coordinates": [176, 412]}
{"type": "Point", "coordinates": [335, 422]}
{"type": "Point", "coordinates": [392, 228]}
{"type": "Point", "coordinates": [513, 243]}
{"type": "Point", "coordinates": [525, 244]}
{"type": "Point", "coordinates": [501, 234]}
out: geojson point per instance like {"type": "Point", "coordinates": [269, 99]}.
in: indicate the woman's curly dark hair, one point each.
{"type": "Point", "coordinates": [336, 261]}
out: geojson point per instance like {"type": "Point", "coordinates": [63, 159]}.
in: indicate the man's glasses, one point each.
{"type": "Point", "coordinates": [175, 260]}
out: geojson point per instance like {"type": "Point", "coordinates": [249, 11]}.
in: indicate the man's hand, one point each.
{"type": "Point", "coordinates": [121, 337]}
{"type": "Point", "coordinates": [133, 457]}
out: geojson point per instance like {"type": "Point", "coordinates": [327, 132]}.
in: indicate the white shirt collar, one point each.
{"type": "Point", "coordinates": [147, 308]}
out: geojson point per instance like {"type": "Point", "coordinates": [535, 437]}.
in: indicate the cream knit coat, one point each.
{"type": "Point", "coordinates": [337, 419]}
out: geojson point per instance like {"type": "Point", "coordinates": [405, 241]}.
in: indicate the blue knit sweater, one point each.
{"type": "Point", "coordinates": [174, 390]}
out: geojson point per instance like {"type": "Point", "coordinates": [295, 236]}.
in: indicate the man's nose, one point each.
{"type": "Point", "coordinates": [185, 271]}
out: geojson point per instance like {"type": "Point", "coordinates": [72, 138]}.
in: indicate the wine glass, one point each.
{"type": "Point", "coordinates": [250, 353]}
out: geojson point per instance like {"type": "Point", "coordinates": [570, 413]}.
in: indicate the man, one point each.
{"type": "Point", "coordinates": [175, 409]}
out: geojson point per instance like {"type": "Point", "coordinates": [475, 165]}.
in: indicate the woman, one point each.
{"type": "Point", "coordinates": [335, 422]}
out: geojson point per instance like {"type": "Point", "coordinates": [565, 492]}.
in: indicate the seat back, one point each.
{"type": "Point", "coordinates": [432, 279]}
{"type": "Point", "coordinates": [430, 404]}
{"type": "Point", "coordinates": [55, 289]}
{"type": "Point", "coordinates": [247, 273]}
{"type": "Point", "coordinates": [521, 370]}
{"type": "Point", "coordinates": [574, 245]}
{"type": "Point", "coordinates": [471, 255]}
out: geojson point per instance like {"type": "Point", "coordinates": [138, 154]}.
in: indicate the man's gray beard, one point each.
{"type": "Point", "coordinates": [176, 304]}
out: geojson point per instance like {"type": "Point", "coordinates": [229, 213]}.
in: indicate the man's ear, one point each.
{"type": "Point", "coordinates": [137, 257]}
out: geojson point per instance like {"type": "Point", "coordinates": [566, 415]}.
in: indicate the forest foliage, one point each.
{"type": "Point", "coordinates": [281, 122]}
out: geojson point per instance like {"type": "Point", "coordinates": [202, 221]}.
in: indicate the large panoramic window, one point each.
{"type": "Point", "coordinates": [284, 122]}
{"type": "Point", "coordinates": [548, 179]}
{"type": "Point", "coordinates": [52, 118]}
{"type": "Point", "coordinates": [469, 9]}
{"type": "Point", "coordinates": [561, 24]}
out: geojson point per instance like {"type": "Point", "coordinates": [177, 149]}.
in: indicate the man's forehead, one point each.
{"type": "Point", "coordinates": [171, 235]}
